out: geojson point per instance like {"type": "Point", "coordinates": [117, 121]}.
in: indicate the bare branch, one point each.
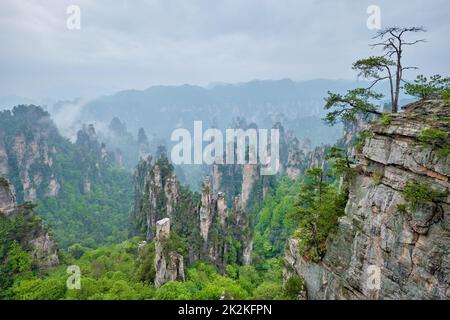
{"type": "Point", "coordinates": [409, 68]}
{"type": "Point", "coordinates": [414, 42]}
{"type": "Point", "coordinates": [376, 81]}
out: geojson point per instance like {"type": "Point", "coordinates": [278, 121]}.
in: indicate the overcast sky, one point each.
{"type": "Point", "coordinates": [138, 43]}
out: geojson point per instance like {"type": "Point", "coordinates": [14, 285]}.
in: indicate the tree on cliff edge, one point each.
{"type": "Point", "coordinates": [386, 67]}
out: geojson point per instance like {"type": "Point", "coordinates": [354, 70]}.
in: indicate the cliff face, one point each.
{"type": "Point", "coordinates": [27, 152]}
{"type": "Point", "coordinates": [390, 245]}
{"type": "Point", "coordinates": [169, 264]}
{"type": "Point", "coordinates": [206, 209]}
{"type": "Point", "coordinates": [220, 230]}
{"type": "Point", "coordinates": [244, 230]}
{"type": "Point", "coordinates": [36, 158]}
{"type": "Point", "coordinates": [301, 156]}
{"type": "Point", "coordinates": [7, 198]}
{"type": "Point", "coordinates": [156, 195]}
{"type": "Point", "coordinates": [4, 170]}
{"type": "Point", "coordinates": [92, 156]}
{"type": "Point", "coordinates": [32, 236]}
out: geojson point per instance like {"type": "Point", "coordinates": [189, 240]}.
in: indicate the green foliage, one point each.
{"type": "Point", "coordinates": [436, 139]}
{"type": "Point", "coordinates": [377, 177]}
{"type": "Point", "coordinates": [272, 226]}
{"type": "Point", "coordinates": [420, 193]}
{"type": "Point", "coordinates": [445, 95]}
{"type": "Point", "coordinates": [175, 243]}
{"type": "Point", "coordinates": [402, 208]}
{"type": "Point", "coordinates": [145, 266]}
{"type": "Point", "coordinates": [319, 206]}
{"type": "Point", "coordinates": [346, 108]}
{"type": "Point", "coordinates": [293, 287]}
{"type": "Point", "coordinates": [15, 259]}
{"type": "Point", "coordinates": [232, 271]}
{"type": "Point", "coordinates": [422, 88]}
{"type": "Point", "coordinates": [340, 162]}
{"type": "Point", "coordinates": [361, 139]}
{"type": "Point", "coordinates": [205, 283]}
{"type": "Point", "coordinates": [125, 271]}
{"type": "Point", "coordinates": [90, 219]}
{"type": "Point", "coordinates": [173, 290]}
{"type": "Point", "coordinates": [386, 119]}
{"type": "Point", "coordinates": [39, 289]}
{"type": "Point", "coordinates": [77, 250]}
{"type": "Point", "coordinates": [248, 278]}
{"type": "Point", "coordinates": [268, 290]}
{"type": "Point", "coordinates": [107, 273]}
{"type": "Point", "coordinates": [372, 67]}
{"type": "Point", "coordinates": [18, 260]}
{"type": "Point", "coordinates": [387, 67]}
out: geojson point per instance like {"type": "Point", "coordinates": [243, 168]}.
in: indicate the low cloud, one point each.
{"type": "Point", "coordinates": [134, 44]}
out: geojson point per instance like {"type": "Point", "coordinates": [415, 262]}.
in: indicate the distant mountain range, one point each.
{"type": "Point", "coordinates": [298, 105]}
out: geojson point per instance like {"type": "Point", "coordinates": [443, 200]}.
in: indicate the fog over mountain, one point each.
{"type": "Point", "coordinates": [298, 105]}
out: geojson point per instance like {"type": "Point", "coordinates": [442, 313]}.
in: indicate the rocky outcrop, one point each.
{"type": "Point", "coordinates": [201, 220]}
{"type": "Point", "coordinates": [33, 236]}
{"type": "Point", "coordinates": [301, 157]}
{"type": "Point", "coordinates": [44, 251]}
{"type": "Point", "coordinates": [222, 209]}
{"type": "Point", "coordinates": [216, 178]}
{"type": "Point", "coordinates": [156, 195]}
{"type": "Point", "coordinates": [250, 176]}
{"type": "Point", "coordinates": [171, 193]}
{"type": "Point", "coordinates": [244, 234]}
{"type": "Point", "coordinates": [36, 158]}
{"type": "Point", "coordinates": [53, 187]}
{"type": "Point", "coordinates": [216, 224]}
{"type": "Point", "coordinates": [7, 198]}
{"type": "Point", "coordinates": [206, 213]}
{"type": "Point", "coordinates": [143, 144]}
{"type": "Point", "coordinates": [169, 264]}
{"type": "Point", "coordinates": [154, 192]}
{"type": "Point", "coordinates": [93, 156]}
{"type": "Point", "coordinates": [350, 133]}
{"type": "Point", "coordinates": [4, 170]}
{"type": "Point", "coordinates": [122, 146]}
{"type": "Point", "coordinates": [296, 157]}
{"type": "Point", "coordinates": [386, 246]}
{"type": "Point", "coordinates": [33, 159]}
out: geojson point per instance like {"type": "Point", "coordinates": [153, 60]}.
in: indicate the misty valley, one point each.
{"type": "Point", "coordinates": [115, 187]}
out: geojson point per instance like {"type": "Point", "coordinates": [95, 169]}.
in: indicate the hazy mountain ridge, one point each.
{"type": "Point", "coordinates": [160, 109]}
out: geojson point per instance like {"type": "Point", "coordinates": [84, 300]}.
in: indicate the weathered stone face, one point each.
{"type": "Point", "coordinates": [169, 264]}
{"type": "Point", "coordinates": [163, 229]}
{"type": "Point", "coordinates": [155, 196]}
{"type": "Point", "coordinates": [222, 208]}
{"type": "Point", "coordinates": [250, 176]}
{"type": "Point", "coordinates": [202, 220]}
{"type": "Point", "coordinates": [7, 198]}
{"type": "Point", "coordinates": [206, 209]}
{"type": "Point", "coordinates": [409, 247]}
{"type": "Point", "coordinates": [171, 192]}
{"type": "Point", "coordinates": [216, 177]}
{"type": "Point", "coordinates": [245, 235]}
{"type": "Point", "coordinates": [4, 170]}
{"type": "Point", "coordinates": [44, 251]}
{"type": "Point", "coordinates": [53, 187]}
